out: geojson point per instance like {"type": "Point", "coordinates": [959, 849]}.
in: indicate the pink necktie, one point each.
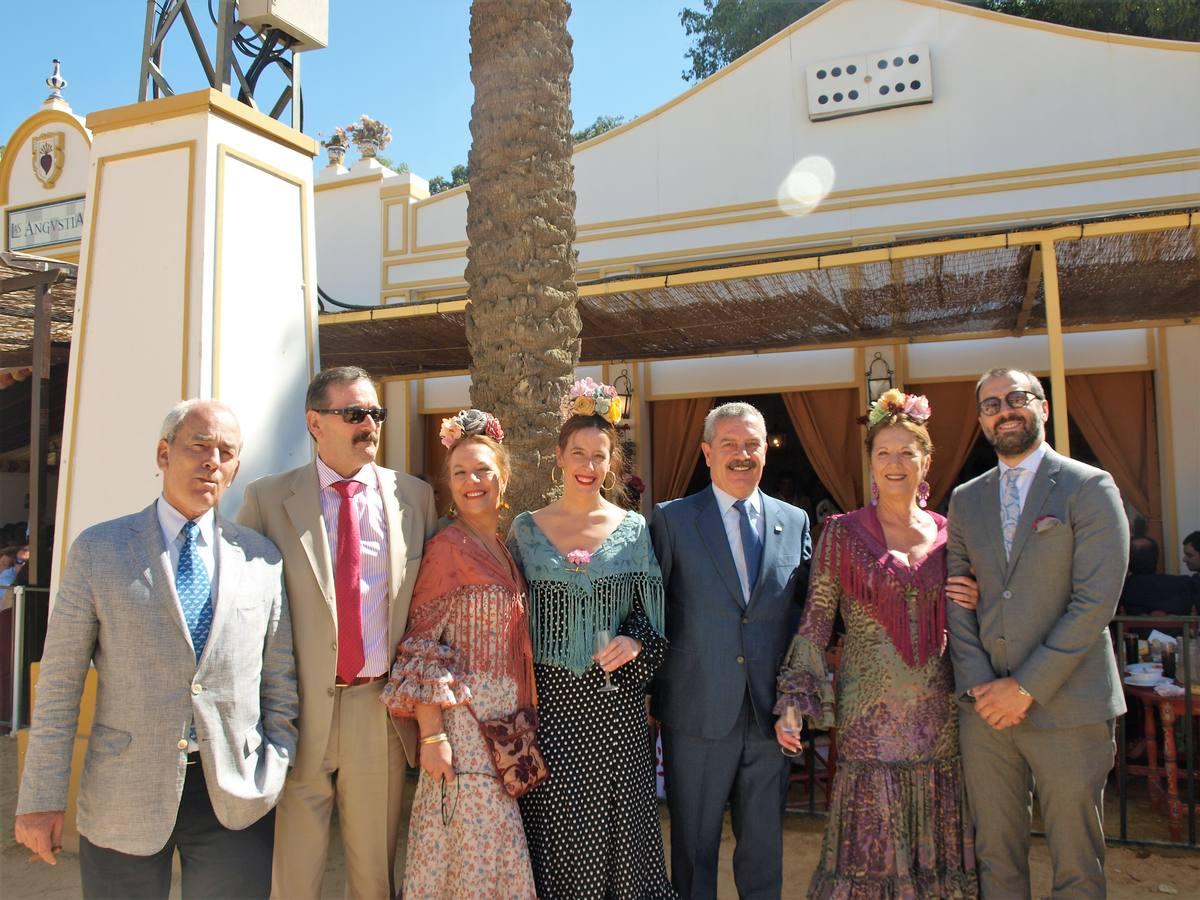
{"type": "Point", "coordinates": [348, 584]}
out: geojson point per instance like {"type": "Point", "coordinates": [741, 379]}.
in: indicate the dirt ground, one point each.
{"type": "Point", "coordinates": [1132, 872]}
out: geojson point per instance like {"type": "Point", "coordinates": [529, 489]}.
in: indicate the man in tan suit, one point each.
{"type": "Point", "coordinates": [351, 534]}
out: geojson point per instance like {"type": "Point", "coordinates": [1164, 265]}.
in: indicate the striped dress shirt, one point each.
{"type": "Point", "coordinates": [373, 535]}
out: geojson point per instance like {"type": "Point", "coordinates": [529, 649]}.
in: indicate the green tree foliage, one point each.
{"type": "Point", "coordinates": [726, 29]}
{"type": "Point", "coordinates": [1175, 19]}
{"type": "Point", "coordinates": [601, 125]}
{"type": "Point", "coordinates": [398, 167]}
{"type": "Point", "coordinates": [460, 174]}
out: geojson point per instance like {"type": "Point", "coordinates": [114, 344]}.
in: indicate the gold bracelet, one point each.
{"type": "Point", "coordinates": [439, 738]}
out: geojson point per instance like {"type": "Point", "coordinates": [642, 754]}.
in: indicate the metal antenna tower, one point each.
{"type": "Point", "coordinates": [273, 47]}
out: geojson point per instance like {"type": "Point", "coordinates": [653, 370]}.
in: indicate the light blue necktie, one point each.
{"type": "Point", "coordinates": [193, 588]}
{"type": "Point", "coordinates": [1010, 506]}
{"type": "Point", "coordinates": [751, 546]}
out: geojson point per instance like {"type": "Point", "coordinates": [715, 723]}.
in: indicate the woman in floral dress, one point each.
{"type": "Point", "coordinates": [592, 827]}
{"type": "Point", "coordinates": [466, 654]}
{"type": "Point", "coordinates": [897, 826]}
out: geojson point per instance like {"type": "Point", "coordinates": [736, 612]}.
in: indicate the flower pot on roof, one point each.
{"type": "Point", "coordinates": [336, 145]}
{"type": "Point", "coordinates": [369, 136]}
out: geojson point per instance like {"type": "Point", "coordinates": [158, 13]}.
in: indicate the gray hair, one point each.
{"type": "Point", "coordinates": [319, 386]}
{"type": "Point", "coordinates": [734, 410]}
{"type": "Point", "coordinates": [179, 412]}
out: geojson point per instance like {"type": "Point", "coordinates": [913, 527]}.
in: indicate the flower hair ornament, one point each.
{"type": "Point", "coordinates": [468, 423]}
{"type": "Point", "coordinates": [895, 402]}
{"type": "Point", "coordinates": [589, 398]}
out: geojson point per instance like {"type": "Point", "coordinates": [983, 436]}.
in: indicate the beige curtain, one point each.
{"type": "Point", "coordinates": [435, 461]}
{"type": "Point", "coordinates": [676, 428]}
{"type": "Point", "coordinates": [827, 423]}
{"type": "Point", "coordinates": [954, 428]}
{"type": "Point", "coordinates": [1115, 412]}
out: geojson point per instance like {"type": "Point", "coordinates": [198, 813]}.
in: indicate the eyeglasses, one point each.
{"type": "Point", "coordinates": [352, 415]}
{"type": "Point", "coordinates": [1014, 399]}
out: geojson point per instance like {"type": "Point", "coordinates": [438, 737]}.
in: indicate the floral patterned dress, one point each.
{"type": "Point", "coordinates": [467, 643]}
{"type": "Point", "coordinates": [897, 824]}
{"type": "Point", "coordinates": [592, 826]}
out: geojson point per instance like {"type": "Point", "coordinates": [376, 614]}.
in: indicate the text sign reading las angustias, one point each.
{"type": "Point", "coordinates": [41, 226]}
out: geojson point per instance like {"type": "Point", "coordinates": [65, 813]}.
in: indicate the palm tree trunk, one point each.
{"type": "Point", "coordinates": [522, 324]}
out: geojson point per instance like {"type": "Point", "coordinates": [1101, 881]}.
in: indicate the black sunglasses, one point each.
{"type": "Point", "coordinates": [1014, 399]}
{"type": "Point", "coordinates": [352, 415]}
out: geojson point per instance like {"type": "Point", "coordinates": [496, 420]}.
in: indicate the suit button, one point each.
{"type": "Point", "coordinates": [741, 660]}
{"type": "Point", "coordinates": [1007, 595]}
{"type": "Point", "coordinates": [196, 688]}
{"type": "Point", "coordinates": [745, 620]}
{"type": "Point", "coordinates": [182, 745]}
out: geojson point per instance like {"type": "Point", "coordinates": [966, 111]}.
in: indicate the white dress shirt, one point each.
{"type": "Point", "coordinates": [1028, 466]}
{"type": "Point", "coordinates": [373, 537]}
{"type": "Point", "coordinates": [733, 530]}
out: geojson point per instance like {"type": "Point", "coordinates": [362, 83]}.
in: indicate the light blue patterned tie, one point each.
{"type": "Point", "coordinates": [1010, 506]}
{"type": "Point", "coordinates": [193, 587]}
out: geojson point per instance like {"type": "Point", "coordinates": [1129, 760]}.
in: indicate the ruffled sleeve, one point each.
{"type": "Point", "coordinates": [426, 669]}
{"type": "Point", "coordinates": [803, 680]}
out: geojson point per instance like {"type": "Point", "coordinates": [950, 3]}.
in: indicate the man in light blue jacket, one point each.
{"type": "Point", "coordinates": [183, 614]}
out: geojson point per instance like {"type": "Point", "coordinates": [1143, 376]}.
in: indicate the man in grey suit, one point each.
{"type": "Point", "coordinates": [1034, 667]}
{"type": "Point", "coordinates": [183, 615]}
{"type": "Point", "coordinates": [735, 569]}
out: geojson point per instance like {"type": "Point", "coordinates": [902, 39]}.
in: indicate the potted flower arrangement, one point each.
{"type": "Point", "coordinates": [369, 135]}
{"type": "Point", "coordinates": [336, 145]}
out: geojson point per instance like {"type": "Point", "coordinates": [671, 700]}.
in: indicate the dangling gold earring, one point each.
{"type": "Point", "coordinates": [503, 502]}
{"type": "Point", "coordinates": [605, 485]}
{"type": "Point", "coordinates": [554, 479]}
{"type": "Point", "coordinates": [452, 511]}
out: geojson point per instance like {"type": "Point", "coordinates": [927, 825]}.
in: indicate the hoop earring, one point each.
{"type": "Point", "coordinates": [874, 494]}
{"type": "Point", "coordinates": [923, 494]}
{"type": "Point", "coordinates": [605, 485]}
{"type": "Point", "coordinates": [554, 479]}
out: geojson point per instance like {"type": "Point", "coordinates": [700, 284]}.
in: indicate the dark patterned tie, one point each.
{"type": "Point", "coordinates": [751, 545]}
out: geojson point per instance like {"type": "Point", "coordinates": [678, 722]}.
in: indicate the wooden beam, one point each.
{"type": "Point", "coordinates": [32, 280]}
{"type": "Point", "coordinates": [1032, 280]}
{"type": "Point", "coordinates": [1054, 335]}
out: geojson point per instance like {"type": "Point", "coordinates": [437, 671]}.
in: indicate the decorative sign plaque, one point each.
{"type": "Point", "coordinates": [42, 226]}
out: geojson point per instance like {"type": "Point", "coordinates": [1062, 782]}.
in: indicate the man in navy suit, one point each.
{"type": "Point", "coordinates": [735, 569]}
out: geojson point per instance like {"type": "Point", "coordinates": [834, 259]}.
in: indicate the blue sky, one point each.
{"type": "Point", "coordinates": [402, 61]}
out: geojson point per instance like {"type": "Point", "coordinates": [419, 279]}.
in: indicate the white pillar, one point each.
{"type": "Point", "coordinates": [197, 279]}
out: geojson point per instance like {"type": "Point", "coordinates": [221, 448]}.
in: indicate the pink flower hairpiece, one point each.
{"type": "Point", "coordinates": [467, 423]}
{"type": "Point", "coordinates": [895, 402]}
{"type": "Point", "coordinates": [591, 398]}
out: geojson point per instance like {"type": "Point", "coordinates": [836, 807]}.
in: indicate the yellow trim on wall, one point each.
{"type": "Point", "coordinates": [197, 102]}
{"type": "Point", "coordinates": [39, 120]}
{"type": "Point", "coordinates": [347, 182]}
{"type": "Point", "coordinates": [224, 151]}
{"type": "Point", "coordinates": [79, 333]}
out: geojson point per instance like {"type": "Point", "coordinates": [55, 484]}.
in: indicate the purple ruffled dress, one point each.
{"type": "Point", "coordinates": [897, 820]}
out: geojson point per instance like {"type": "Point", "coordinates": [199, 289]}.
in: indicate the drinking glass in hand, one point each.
{"type": "Point", "coordinates": [790, 723]}
{"type": "Point", "coordinates": [603, 639]}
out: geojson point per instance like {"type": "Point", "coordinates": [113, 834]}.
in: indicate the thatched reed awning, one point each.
{"type": "Point", "coordinates": [1115, 272]}
{"type": "Point", "coordinates": [20, 274]}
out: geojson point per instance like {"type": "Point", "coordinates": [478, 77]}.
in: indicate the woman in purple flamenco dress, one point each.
{"type": "Point", "coordinates": [897, 822]}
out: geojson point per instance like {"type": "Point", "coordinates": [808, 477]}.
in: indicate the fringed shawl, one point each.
{"type": "Point", "coordinates": [886, 588]}
{"type": "Point", "coordinates": [568, 604]}
{"type": "Point", "coordinates": [471, 608]}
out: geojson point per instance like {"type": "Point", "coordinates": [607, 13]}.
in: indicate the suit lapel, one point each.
{"type": "Point", "coordinates": [1043, 482]}
{"type": "Point", "coordinates": [772, 540]}
{"type": "Point", "coordinates": [304, 509]}
{"type": "Point", "coordinates": [231, 564]}
{"type": "Point", "coordinates": [989, 508]}
{"type": "Point", "coordinates": [147, 548]}
{"type": "Point", "coordinates": [712, 532]}
{"type": "Point", "coordinates": [394, 515]}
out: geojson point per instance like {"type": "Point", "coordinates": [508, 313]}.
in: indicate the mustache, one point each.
{"type": "Point", "coordinates": [366, 437]}
{"type": "Point", "coordinates": [743, 465]}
